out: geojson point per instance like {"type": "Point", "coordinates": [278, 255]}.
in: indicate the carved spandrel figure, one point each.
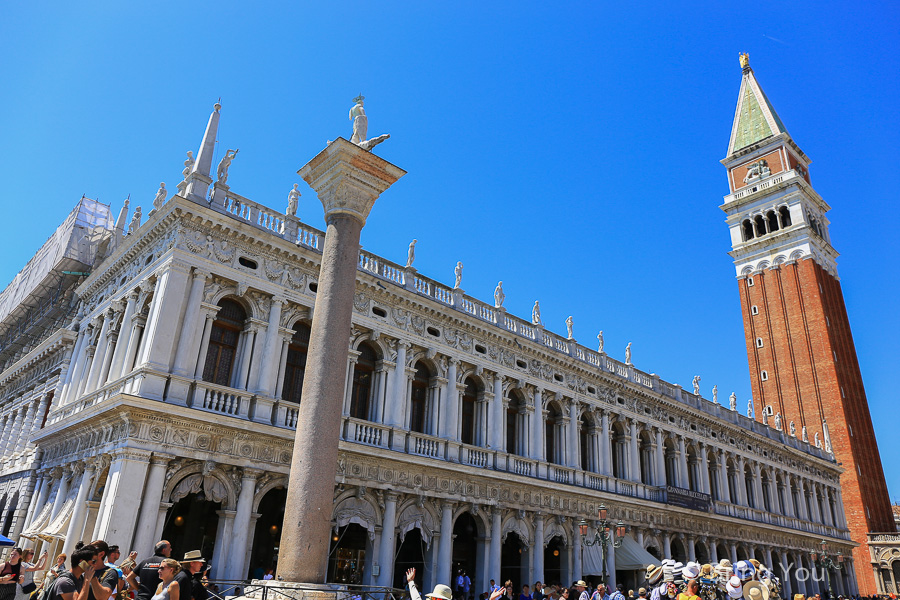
{"type": "Point", "coordinates": [360, 121]}
{"type": "Point", "coordinates": [293, 201]}
{"type": "Point", "coordinates": [458, 272]}
{"type": "Point", "coordinates": [188, 164]}
{"type": "Point", "coordinates": [570, 325]}
{"type": "Point", "coordinates": [161, 194]}
{"type": "Point", "coordinates": [499, 296]}
{"type": "Point", "coordinates": [135, 221]}
{"type": "Point", "coordinates": [222, 170]}
{"type": "Point", "coordinates": [804, 434]}
{"type": "Point", "coordinates": [715, 393]}
{"type": "Point", "coordinates": [536, 314]}
{"type": "Point", "coordinates": [778, 421]}
{"type": "Point", "coordinates": [696, 383]}
{"type": "Point", "coordinates": [732, 401]}
{"type": "Point", "coordinates": [628, 354]}
{"type": "Point", "coordinates": [600, 342]}
{"type": "Point", "coordinates": [411, 254]}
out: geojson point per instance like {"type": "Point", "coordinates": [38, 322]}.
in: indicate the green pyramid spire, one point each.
{"type": "Point", "coordinates": [754, 119]}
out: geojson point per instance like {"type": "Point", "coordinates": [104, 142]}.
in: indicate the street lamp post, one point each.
{"type": "Point", "coordinates": [604, 536]}
{"type": "Point", "coordinates": [826, 563]}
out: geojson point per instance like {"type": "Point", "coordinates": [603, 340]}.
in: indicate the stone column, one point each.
{"type": "Point", "coordinates": [189, 341]}
{"type": "Point", "coordinates": [146, 532]}
{"type": "Point", "coordinates": [683, 479]}
{"type": "Point", "coordinates": [539, 450]}
{"type": "Point", "coordinates": [126, 478]}
{"type": "Point", "coordinates": [704, 470]}
{"type": "Point", "coordinates": [162, 327]}
{"type": "Point", "coordinates": [538, 554]}
{"type": "Point", "coordinates": [691, 548]}
{"type": "Point", "coordinates": [445, 543]}
{"type": "Point", "coordinates": [241, 529]}
{"type": "Point", "coordinates": [69, 382]}
{"type": "Point", "coordinates": [38, 496]}
{"type": "Point", "coordinates": [209, 317]}
{"type": "Point", "coordinates": [733, 549]}
{"type": "Point", "coordinates": [388, 538]}
{"type": "Point", "coordinates": [713, 551]}
{"type": "Point", "coordinates": [660, 479]}
{"type": "Point", "coordinates": [495, 423]}
{"type": "Point", "coordinates": [451, 401]}
{"type": "Point", "coordinates": [265, 384]}
{"type": "Point", "coordinates": [282, 367]}
{"type": "Point", "coordinates": [79, 511]}
{"type": "Point", "coordinates": [224, 549]}
{"type": "Point", "coordinates": [633, 456]}
{"type": "Point", "coordinates": [573, 437]}
{"type": "Point", "coordinates": [667, 545]}
{"type": "Point", "coordinates": [395, 409]}
{"type": "Point", "coordinates": [496, 534]}
{"type": "Point", "coordinates": [125, 332]}
{"type": "Point", "coordinates": [25, 430]}
{"type": "Point", "coordinates": [606, 451]}
{"type": "Point", "coordinates": [99, 354]}
{"type": "Point", "coordinates": [61, 491]}
{"type": "Point", "coordinates": [347, 180]}
{"type": "Point", "coordinates": [84, 363]}
{"type": "Point", "coordinates": [611, 565]}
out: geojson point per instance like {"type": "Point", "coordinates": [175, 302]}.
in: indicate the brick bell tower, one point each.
{"type": "Point", "coordinates": [803, 366]}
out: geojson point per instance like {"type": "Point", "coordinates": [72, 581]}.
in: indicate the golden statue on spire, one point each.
{"type": "Point", "coordinates": [744, 57]}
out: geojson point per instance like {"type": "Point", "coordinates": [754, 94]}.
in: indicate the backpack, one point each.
{"type": "Point", "coordinates": [47, 590]}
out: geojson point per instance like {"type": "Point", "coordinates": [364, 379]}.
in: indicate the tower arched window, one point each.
{"type": "Point", "coordinates": [760, 223]}
{"type": "Point", "coordinates": [785, 213]}
{"type": "Point", "coordinates": [363, 382]}
{"type": "Point", "coordinates": [223, 343]}
{"type": "Point", "coordinates": [748, 484]}
{"type": "Point", "coordinates": [295, 365]}
{"type": "Point", "coordinates": [772, 219]}
{"type": "Point", "coordinates": [419, 399]}
{"type": "Point", "coordinates": [747, 230]}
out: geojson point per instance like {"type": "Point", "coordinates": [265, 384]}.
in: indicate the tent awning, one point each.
{"type": "Point", "coordinates": [56, 530]}
{"type": "Point", "coordinates": [631, 556]}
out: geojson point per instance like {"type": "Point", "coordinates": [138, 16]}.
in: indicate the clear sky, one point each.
{"type": "Point", "coordinates": [570, 150]}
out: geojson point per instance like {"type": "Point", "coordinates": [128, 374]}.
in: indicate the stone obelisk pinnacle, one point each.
{"type": "Point", "coordinates": [347, 179]}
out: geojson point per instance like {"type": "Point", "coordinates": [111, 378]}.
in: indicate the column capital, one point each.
{"type": "Point", "coordinates": [251, 474]}
{"type": "Point", "coordinates": [160, 459]}
{"type": "Point", "coordinates": [201, 274]}
{"type": "Point", "coordinates": [391, 496]}
{"type": "Point", "coordinates": [279, 299]}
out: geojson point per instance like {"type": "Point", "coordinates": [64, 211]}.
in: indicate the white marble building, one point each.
{"type": "Point", "coordinates": [471, 438]}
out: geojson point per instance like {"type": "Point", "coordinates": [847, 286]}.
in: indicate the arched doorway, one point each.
{"type": "Point", "coordinates": [465, 549]}
{"type": "Point", "coordinates": [10, 511]}
{"type": "Point", "coordinates": [348, 555]}
{"type": "Point", "coordinates": [553, 561]}
{"type": "Point", "coordinates": [267, 536]}
{"type": "Point", "coordinates": [191, 523]}
{"type": "Point", "coordinates": [513, 563]}
{"type": "Point", "coordinates": [678, 551]}
{"type": "Point", "coordinates": [410, 555]}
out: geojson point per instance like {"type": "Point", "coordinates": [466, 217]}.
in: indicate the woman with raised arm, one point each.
{"type": "Point", "coordinates": [441, 591]}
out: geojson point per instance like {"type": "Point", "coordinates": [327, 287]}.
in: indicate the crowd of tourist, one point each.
{"type": "Point", "coordinates": [94, 572]}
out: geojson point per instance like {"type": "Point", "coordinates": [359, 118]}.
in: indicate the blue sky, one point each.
{"type": "Point", "coordinates": [570, 150]}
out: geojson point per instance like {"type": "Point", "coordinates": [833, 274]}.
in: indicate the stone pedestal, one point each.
{"type": "Point", "coordinates": [347, 180]}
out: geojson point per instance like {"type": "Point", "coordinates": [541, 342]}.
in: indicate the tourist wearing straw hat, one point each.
{"type": "Point", "coordinates": [441, 591]}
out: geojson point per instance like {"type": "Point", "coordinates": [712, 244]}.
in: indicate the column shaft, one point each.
{"type": "Point", "coordinates": [388, 537]}
{"type": "Point", "coordinates": [188, 340]}
{"type": "Point", "coordinates": [271, 350]}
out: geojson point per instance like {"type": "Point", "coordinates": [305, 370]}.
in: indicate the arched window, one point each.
{"type": "Point", "coordinates": [773, 220]}
{"type": "Point", "coordinates": [712, 468]}
{"type": "Point", "coordinates": [747, 230]}
{"type": "Point", "coordinates": [296, 363]}
{"type": "Point", "coordinates": [748, 484]}
{"type": "Point", "coordinates": [467, 412]}
{"type": "Point", "coordinates": [513, 408]}
{"type": "Point", "coordinates": [760, 225]}
{"type": "Point", "coordinates": [693, 464]}
{"type": "Point", "coordinates": [619, 451]}
{"type": "Point", "coordinates": [767, 499]}
{"type": "Point", "coordinates": [779, 488]}
{"type": "Point", "coordinates": [553, 442]}
{"type": "Point", "coordinates": [732, 483]}
{"type": "Point", "coordinates": [795, 498]}
{"type": "Point", "coordinates": [584, 446]}
{"type": "Point", "coordinates": [363, 376]}
{"type": "Point", "coordinates": [645, 456]}
{"type": "Point", "coordinates": [223, 343]}
{"type": "Point", "coordinates": [785, 213]}
{"type": "Point", "coordinates": [419, 398]}
{"type": "Point", "coordinates": [671, 460]}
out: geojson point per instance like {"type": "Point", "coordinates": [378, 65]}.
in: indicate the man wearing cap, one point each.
{"type": "Point", "coordinates": [193, 564]}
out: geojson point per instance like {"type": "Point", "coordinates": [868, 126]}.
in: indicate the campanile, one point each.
{"type": "Point", "coordinates": [803, 367]}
